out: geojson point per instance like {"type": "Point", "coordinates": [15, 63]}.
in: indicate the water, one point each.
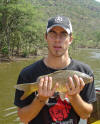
{"type": "Point", "coordinates": [9, 73]}
{"type": "Point", "coordinates": [92, 58]}
{"type": "Point", "coordinates": [97, 0]}
{"type": "Point", "coordinates": [8, 76]}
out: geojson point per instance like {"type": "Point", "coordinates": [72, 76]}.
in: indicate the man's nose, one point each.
{"type": "Point", "coordinates": [58, 38]}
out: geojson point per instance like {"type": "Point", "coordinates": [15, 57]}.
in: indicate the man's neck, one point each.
{"type": "Point", "coordinates": [57, 62]}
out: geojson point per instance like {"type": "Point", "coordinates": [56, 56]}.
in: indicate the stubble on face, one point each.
{"type": "Point", "coordinates": [57, 53]}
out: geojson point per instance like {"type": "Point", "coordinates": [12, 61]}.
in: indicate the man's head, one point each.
{"type": "Point", "coordinates": [58, 35]}
{"type": "Point", "coordinates": [60, 21]}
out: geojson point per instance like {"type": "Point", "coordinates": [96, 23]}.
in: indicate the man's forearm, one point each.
{"type": "Point", "coordinates": [29, 112]}
{"type": "Point", "coordinates": [82, 108]}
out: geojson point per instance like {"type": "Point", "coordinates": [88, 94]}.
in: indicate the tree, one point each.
{"type": "Point", "coordinates": [19, 26]}
{"type": "Point", "coordinates": [97, 41]}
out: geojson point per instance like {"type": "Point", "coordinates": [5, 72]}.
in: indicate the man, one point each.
{"type": "Point", "coordinates": [45, 106]}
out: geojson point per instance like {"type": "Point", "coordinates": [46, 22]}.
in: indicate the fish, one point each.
{"type": "Point", "coordinates": [59, 77]}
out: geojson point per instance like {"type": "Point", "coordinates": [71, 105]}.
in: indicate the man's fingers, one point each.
{"type": "Point", "coordinates": [45, 83]}
{"type": "Point", "coordinates": [82, 84]}
{"type": "Point", "coordinates": [49, 83]}
{"type": "Point", "coordinates": [41, 85]}
{"type": "Point", "coordinates": [71, 83]}
{"type": "Point", "coordinates": [77, 81]}
{"type": "Point", "coordinates": [45, 87]}
{"type": "Point", "coordinates": [74, 85]}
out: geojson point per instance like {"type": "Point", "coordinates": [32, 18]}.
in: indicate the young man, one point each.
{"type": "Point", "coordinates": [78, 99]}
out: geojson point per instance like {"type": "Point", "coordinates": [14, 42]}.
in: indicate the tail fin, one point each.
{"type": "Point", "coordinates": [26, 94]}
{"type": "Point", "coordinates": [28, 89]}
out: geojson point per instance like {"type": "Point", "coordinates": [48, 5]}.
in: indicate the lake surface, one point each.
{"type": "Point", "coordinates": [9, 73]}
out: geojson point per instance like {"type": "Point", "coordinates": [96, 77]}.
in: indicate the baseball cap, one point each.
{"type": "Point", "coordinates": [61, 21]}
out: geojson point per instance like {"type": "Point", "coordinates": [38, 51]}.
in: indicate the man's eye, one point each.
{"type": "Point", "coordinates": [64, 34]}
{"type": "Point", "coordinates": [52, 33]}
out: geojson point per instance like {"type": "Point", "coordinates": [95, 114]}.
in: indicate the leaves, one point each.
{"type": "Point", "coordinates": [19, 25]}
{"type": "Point", "coordinates": [23, 23]}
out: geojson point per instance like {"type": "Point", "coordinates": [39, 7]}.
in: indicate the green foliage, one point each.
{"type": "Point", "coordinates": [25, 54]}
{"type": "Point", "coordinates": [97, 40]}
{"type": "Point", "coordinates": [23, 24]}
{"type": "Point", "coordinates": [4, 51]}
{"type": "Point", "coordinates": [84, 15]}
{"type": "Point", "coordinates": [20, 24]}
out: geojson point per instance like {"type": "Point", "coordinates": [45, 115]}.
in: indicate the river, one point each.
{"type": "Point", "coordinates": [9, 74]}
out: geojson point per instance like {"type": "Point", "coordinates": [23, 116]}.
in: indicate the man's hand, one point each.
{"type": "Point", "coordinates": [45, 91]}
{"type": "Point", "coordinates": [74, 88]}
{"type": "Point", "coordinates": [45, 87]}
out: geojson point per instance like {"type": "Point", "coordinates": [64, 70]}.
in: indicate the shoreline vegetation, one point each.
{"type": "Point", "coordinates": [39, 53]}
{"type": "Point", "coordinates": [21, 57]}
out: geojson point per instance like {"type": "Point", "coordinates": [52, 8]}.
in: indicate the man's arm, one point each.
{"type": "Point", "coordinates": [45, 91]}
{"type": "Point", "coordinates": [29, 112]}
{"type": "Point", "coordinates": [82, 108]}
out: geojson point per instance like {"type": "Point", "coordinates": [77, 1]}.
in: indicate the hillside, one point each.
{"type": "Point", "coordinates": [84, 14]}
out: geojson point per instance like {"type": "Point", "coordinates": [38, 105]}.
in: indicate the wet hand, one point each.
{"type": "Point", "coordinates": [45, 87]}
{"type": "Point", "coordinates": [74, 85]}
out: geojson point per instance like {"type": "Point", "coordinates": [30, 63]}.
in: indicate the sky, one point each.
{"type": "Point", "coordinates": [97, 0]}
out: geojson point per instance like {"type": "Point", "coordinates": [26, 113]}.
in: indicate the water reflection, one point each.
{"type": "Point", "coordinates": [95, 55]}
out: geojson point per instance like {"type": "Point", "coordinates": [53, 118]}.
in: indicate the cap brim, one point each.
{"type": "Point", "coordinates": [66, 29]}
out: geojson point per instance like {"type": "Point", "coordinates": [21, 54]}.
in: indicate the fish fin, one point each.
{"type": "Point", "coordinates": [62, 95]}
{"type": "Point", "coordinates": [26, 94]}
{"type": "Point", "coordinates": [28, 89]}
{"type": "Point", "coordinates": [56, 72]}
{"type": "Point", "coordinates": [32, 88]}
{"type": "Point", "coordinates": [24, 87]}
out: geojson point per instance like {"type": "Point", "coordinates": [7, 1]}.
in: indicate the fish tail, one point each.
{"type": "Point", "coordinates": [26, 94]}
{"type": "Point", "coordinates": [29, 91]}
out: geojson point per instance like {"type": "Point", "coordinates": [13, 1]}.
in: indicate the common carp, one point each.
{"type": "Point", "coordinates": [58, 76]}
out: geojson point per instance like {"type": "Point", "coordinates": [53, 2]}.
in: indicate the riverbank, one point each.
{"type": "Point", "coordinates": [40, 53]}
{"type": "Point", "coordinates": [15, 58]}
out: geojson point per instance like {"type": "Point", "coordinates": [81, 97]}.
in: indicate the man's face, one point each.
{"type": "Point", "coordinates": [58, 41]}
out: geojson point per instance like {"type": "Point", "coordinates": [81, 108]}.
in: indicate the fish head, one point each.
{"type": "Point", "coordinates": [86, 78]}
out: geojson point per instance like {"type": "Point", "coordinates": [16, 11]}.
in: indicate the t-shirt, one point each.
{"type": "Point", "coordinates": [55, 111]}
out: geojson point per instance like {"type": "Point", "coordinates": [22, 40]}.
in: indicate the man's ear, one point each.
{"type": "Point", "coordinates": [45, 36]}
{"type": "Point", "coordinates": [71, 39]}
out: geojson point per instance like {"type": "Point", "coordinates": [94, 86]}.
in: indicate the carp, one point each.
{"type": "Point", "coordinates": [59, 77]}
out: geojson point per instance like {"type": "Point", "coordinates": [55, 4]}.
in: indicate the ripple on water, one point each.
{"type": "Point", "coordinates": [95, 55]}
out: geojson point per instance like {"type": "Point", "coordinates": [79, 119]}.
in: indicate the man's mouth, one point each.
{"type": "Point", "coordinates": [57, 47]}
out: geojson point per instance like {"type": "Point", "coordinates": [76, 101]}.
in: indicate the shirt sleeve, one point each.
{"type": "Point", "coordinates": [89, 94]}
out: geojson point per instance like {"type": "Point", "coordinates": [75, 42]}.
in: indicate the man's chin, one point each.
{"type": "Point", "coordinates": [57, 54]}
